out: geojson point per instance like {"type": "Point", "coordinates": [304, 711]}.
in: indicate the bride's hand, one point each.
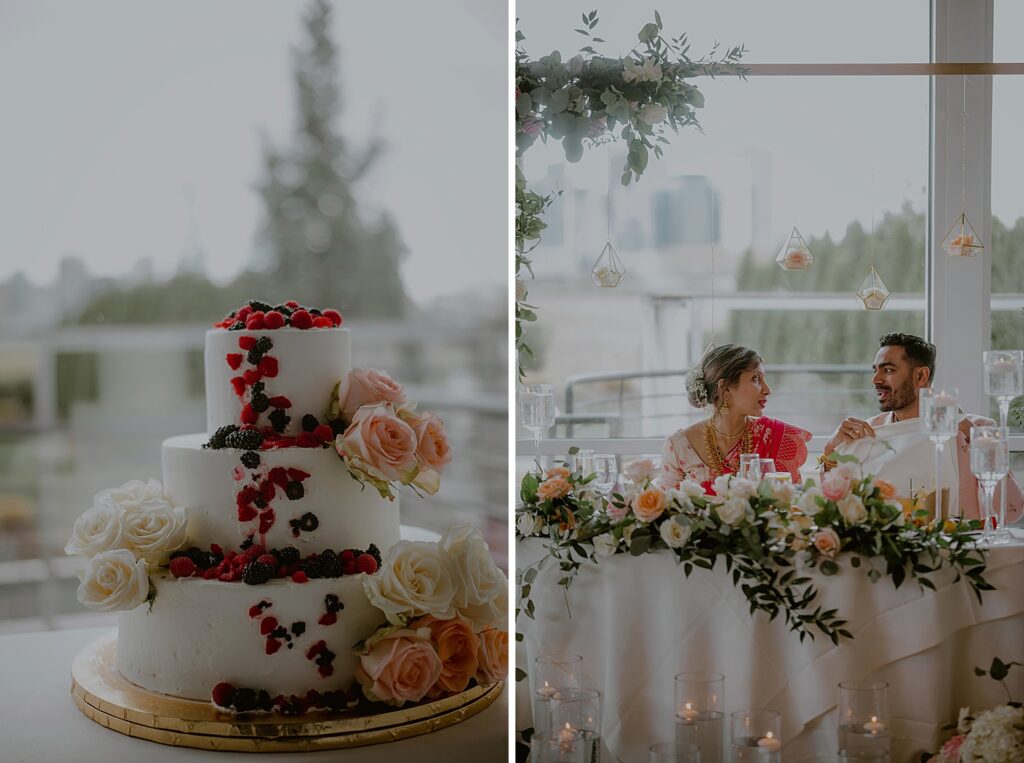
{"type": "Point", "coordinates": [849, 430]}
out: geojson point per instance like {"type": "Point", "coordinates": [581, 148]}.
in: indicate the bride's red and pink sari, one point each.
{"type": "Point", "coordinates": [770, 438]}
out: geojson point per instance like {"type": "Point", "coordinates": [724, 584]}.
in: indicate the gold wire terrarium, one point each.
{"type": "Point", "coordinates": [608, 271]}
{"type": "Point", "coordinates": [873, 293]}
{"type": "Point", "coordinates": [795, 254]}
{"type": "Point", "coordinates": [961, 240]}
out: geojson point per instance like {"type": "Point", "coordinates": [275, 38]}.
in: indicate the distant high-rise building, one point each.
{"type": "Point", "coordinates": [690, 213]}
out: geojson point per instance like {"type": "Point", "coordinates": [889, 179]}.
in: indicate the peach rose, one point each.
{"type": "Point", "coordinates": [380, 444]}
{"type": "Point", "coordinates": [400, 666]}
{"type": "Point", "coordinates": [366, 386]}
{"type": "Point", "coordinates": [886, 489]}
{"type": "Point", "coordinates": [834, 486]}
{"type": "Point", "coordinates": [432, 443]}
{"type": "Point", "coordinates": [827, 542]}
{"type": "Point", "coordinates": [556, 487]}
{"type": "Point", "coordinates": [457, 648]}
{"type": "Point", "coordinates": [649, 504]}
{"type": "Point", "coordinates": [493, 656]}
{"type": "Point", "coordinates": [557, 471]}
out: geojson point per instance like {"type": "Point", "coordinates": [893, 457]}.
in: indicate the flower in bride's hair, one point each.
{"type": "Point", "coordinates": [696, 388]}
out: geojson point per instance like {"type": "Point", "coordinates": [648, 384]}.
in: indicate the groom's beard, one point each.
{"type": "Point", "coordinates": [899, 398]}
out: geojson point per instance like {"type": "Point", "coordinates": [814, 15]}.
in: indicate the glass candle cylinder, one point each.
{"type": "Point", "coordinates": [565, 746]}
{"type": "Point", "coordinates": [757, 736]}
{"type": "Point", "coordinates": [864, 720]}
{"type": "Point", "coordinates": [552, 672]}
{"type": "Point", "coordinates": [579, 710]}
{"type": "Point", "coordinates": [674, 752]}
{"type": "Point", "coordinates": [699, 712]}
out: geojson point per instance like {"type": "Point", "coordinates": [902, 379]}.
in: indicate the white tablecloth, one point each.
{"type": "Point", "coordinates": [637, 621]}
{"type": "Point", "coordinates": [39, 722]}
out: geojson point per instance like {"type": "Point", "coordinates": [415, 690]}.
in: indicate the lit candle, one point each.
{"type": "Point", "coordinates": [875, 726]}
{"type": "Point", "coordinates": [1002, 367]}
{"type": "Point", "coordinates": [769, 742]}
{"type": "Point", "coordinates": [688, 713]}
{"type": "Point", "coordinates": [565, 738]}
{"type": "Point", "coordinates": [943, 399]}
{"type": "Point", "coordinates": [547, 691]}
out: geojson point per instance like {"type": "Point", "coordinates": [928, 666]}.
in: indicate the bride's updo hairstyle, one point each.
{"type": "Point", "coordinates": [722, 364]}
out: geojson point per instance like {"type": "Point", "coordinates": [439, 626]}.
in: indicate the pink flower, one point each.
{"type": "Point", "coordinates": [400, 667]}
{"type": "Point", "coordinates": [432, 443]}
{"type": "Point", "coordinates": [649, 504]}
{"type": "Point", "coordinates": [640, 469]}
{"type": "Point", "coordinates": [827, 542]}
{"type": "Point", "coordinates": [380, 444]}
{"type": "Point", "coordinates": [556, 487]}
{"type": "Point", "coordinates": [531, 127]}
{"type": "Point", "coordinates": [457, 648]}
{"type": "Point", "coordinates": [834, 486]}
{"type": "Point", "coordinates": [493, 656]}
{"type": "Point", "coordinates": [617, 513]}
{"type": "Point", "coordinates": [366, 386]}
{"type": "Point", "coordinates": [951, 749]}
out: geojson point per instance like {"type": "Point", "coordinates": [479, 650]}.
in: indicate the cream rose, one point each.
{"type": "Point", "coordinates": [827, 542]}
{"type": "Point", "coordinates": [721, 484]}
{"type": "Point", "coordinates": [478, 580]}
{"type": "Point", "coordinates": [835, 486]}
{"type": "Point", "coordinates": [131, 494]}
{"type": "Point", "coordinates": [529, 525]}
{"type": "Point", "coordinates": [556, 487]}
{"type": "Point", "coordinates": [366, 386]}
{"type": "Point", "coordinates": [493, 656]}
{"type": "Point", "coordinates": [808, 503]}
{"type": "Point", "coordinates": [415, 578]}
{"type": "Point", "coordinates": [96, 530]}
{"type": "Point", "coordinates": [154, 530]}
{"type": "Point", "coordinates": [785, 492]}
{"type": "Point", "coordinates": [380, 444]}
{"type": "Point", "coordinates": [691, 488]}
{"type": "Point", "coordinates": [852, 510]}
{"type": "Point", "coordinates": [649, 504]}
{"type": "Point", "coordinates": [605, 544]}
{"type": "Point", "coordinates": [640, 469]}
{"type": "Point", "coordinates": [674, 534]}
{"type": "Point", "coordinates": [113, 580]}
{"type": "Point", "coordinates": [801, 520]}
{"type": "Point", "coordinates": [681, 499]}
{"type": "Point", "coordinates": [743, 488]}
{"type": "Point", "coordinates": [627, 534]}
{"type": "Point", "coordinates": [734, 511]}
{"type": "Point", "coordinates": [401, 666]}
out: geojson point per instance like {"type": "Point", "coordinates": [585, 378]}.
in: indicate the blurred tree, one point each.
{"type": "Point", "coordinates": [321, 249]}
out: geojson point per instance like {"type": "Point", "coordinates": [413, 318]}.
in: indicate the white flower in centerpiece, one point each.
{"type": "Point", "coordinates": [154, 529]}
{"type": "Point", "coordinates": [529, 525]}
{"type": "Point", "coordinates": [734, 511]}
{"type": "Point", "coordinates": [785, 492]}
{"type": "Point", "coordinates": [640, 469]}
{"type": "Point", "coordinates": [605, 544]}
{"type": "Point", "coordinates": [113, 580]}
{"type": "Point", "coordinates": [743, 488]}
{"type": "Point", "coordinates": [852, 510]}
{"type": "Point", "coordinates": [681, 499]}
{"type": "Point", "coordinates": [477, 579]}
{"type": "Point", "coordinates": [691, 488]}
{"type": "Point", "coordinates": [96, 530]}
{"type": "Point", "coordinates": [807, 503]}
{"type": "Point", "coordinates": [415, 578]}
{"type": "Point", "coordinates": [653, 113]}
{"type": "Point", "coordinates": [627, 534]}
{"type": "Point", "coordinates": [675, 534]}
{"type": "Point", "coordinates": [721, 484]}
{"type": "Point", "coordinates": [996, 736]}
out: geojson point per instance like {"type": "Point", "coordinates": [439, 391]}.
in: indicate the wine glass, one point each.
{"type": "Point", "coordinates": [749, 467]}
{"type": "Point", "coordinates": [990, 461]}
{"type": "Point", "coordinates": [606, 470]}
{"type": "Point", "coordinates": [940, 414]}
{"type": "Point", "coordinates": [767, 466]}
{"type": "Point", "coordinates": [537, 408]}
{"type": "Point", "coordinates": [1004, 380]}
{"type": "Point", "coordinates": [584, 463]}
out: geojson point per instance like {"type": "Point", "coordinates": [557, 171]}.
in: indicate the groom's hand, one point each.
{"type": "Point", "coordinates": [849, 430]}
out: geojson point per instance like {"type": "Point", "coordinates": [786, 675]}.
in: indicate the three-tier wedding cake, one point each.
{"type": "Point", "coordinates": [266, 571]}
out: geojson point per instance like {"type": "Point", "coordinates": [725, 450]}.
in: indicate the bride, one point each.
{"type": "Point", "coordinates": [730, 381]}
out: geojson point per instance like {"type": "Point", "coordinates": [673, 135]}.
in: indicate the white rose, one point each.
{"type": "Point", "coordinates": [627, 534]}
{"type": "Point", "coordinates": [131, 494]}
{"type": "Point", "coordinates": [113, 580]}
{"type": "Point", "coordinates": [154, 529]}
{"type": "Point", "coordinates": [734, 511]}
{"type": "Point", "coordinates": [528, 525]}
{"type": "Point", "coordinates": [681, 499]}
{"type": "Point", "coordinates": [784, 491]}
{"type": "Point", "coordinates": [640, 469]}
{"type": "Point", "coordinates": [807, 504]}
{"type": "Point", "coordinates": [493, 613]}
{"type": "Point", "coordinates": [476, 577]}
{"type": "Point", "coordinates": [743, 488]}
{"type": "Point", "coordinates": [98, 529]}
{"type": "Point", "coordinates": [691, 488]}
{"type": "Point", "coordinates": [852, 510]}
{"type": "Point", "coordinates": [848, 469]}
{"type": "Point", "coordinates": [721, 484]}
{"type": "Point", "coordinates": [605, 544]}
{"type": "Point", "coordinates": [415, 578]}
{"type": "Point", "coordinates": [674, 534]}
{"type": "Point", "coordinates": [653, 113]}
{"type": "Point", "coordinates": [771, 520]}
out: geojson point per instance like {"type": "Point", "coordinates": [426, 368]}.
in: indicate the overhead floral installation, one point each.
{"type": "Point", "coordinates": [591, 99]}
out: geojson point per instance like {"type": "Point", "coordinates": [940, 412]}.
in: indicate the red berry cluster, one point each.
{"type": "Point", "coordinates": [216, 565]}
{"type": "Point", "coordinates": [249, 386]}
{"type": "Point", "coordinates": [228, 566]}
{"type": "Point", "coordinates": [333, 605]}
{"type": "Point", "coordinates": [276, 634]}
{"type": "Point", "coordinates": [253, 500]}
{"type": "Point", "coordinates": [321, 437]}
{"type": "Point", "coordinates": [324, 658]}
{"type": "Point", "coordinates": [259, 316]}
{"type": "Point", "coordinates": [226, 697]}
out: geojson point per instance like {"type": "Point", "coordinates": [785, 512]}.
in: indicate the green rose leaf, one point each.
{"type": "Point", "coordinates": [524, 103]}
{"type": "Point", "coordinates": [559, 101]}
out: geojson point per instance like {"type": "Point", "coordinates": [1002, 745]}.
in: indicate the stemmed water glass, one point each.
{"type": "Point", "coordinates": [990, 461]}
{"type": "Point", "coordinates": [537, 408]}
{"type": "Point", "coordinates": [1004, 380]}
{"type": "Point", "coordinates": [606, 471]}
{"type": "Point", "coordinates": [941, 415]}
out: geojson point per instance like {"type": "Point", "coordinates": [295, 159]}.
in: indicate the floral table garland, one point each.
{"type": "Point", "coordinates": [762, 531]}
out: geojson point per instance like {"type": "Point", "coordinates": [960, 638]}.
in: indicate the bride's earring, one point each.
{"type": "Point", "coordinates": [725, 404]}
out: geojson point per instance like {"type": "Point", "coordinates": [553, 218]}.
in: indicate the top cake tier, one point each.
{"type": "Point", "coordinates": [298, 370]}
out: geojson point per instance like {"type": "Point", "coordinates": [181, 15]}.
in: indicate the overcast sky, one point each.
{"type": "Point", "coordinates": [116, 112]}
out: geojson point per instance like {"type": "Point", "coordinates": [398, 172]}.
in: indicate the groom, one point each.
{"type": "Point", "coordinates": [904, 365]}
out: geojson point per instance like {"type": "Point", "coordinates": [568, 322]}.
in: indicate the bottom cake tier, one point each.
{"type": "Point", "coordinates": [282, 636]}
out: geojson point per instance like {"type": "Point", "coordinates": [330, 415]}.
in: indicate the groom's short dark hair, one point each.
{"type": "Point", "coordinates": [918, 351]}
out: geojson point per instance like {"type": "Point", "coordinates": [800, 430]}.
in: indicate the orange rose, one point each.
{"type": "Point", "coordinates": [493, 656]}
{"type": "Point", "coordinates": [649, 504]}
{"type": "Point", "coordinates": [556, 487]}
{"type": "Point", "coordinates": [557, 471]}
{"type": "Point", "coordinates": [457, 647]}
{"type": "Point", "coordinates": [886, 489]}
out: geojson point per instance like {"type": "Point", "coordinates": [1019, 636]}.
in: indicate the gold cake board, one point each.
{"type": "Point", "coordinates": [107, 697]}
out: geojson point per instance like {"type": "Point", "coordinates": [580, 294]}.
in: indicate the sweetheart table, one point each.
{"type": "Point", "coordinates": [637, 622]}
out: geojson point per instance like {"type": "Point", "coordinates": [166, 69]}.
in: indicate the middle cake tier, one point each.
{"type": "Point", "coordinates": [301, 497]}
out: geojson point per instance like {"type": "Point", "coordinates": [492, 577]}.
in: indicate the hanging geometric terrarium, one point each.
{"type": "Point", "coordinates": [795, 255]}
{"type": "Point", "coordinates": [608, 271]}
{"type": "Point", "coordinates": [961, 240]}
{"type": "Point", "coordinates": [873, 293]}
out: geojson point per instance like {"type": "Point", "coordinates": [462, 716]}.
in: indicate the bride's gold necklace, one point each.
{"type": "Point", "coordinates": [711, 446]}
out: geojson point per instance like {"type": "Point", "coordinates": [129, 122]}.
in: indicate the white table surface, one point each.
{"type": "Point", "coordinates": [39, 722]}
{"type": "Point", "coordinates": [637, 621]}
